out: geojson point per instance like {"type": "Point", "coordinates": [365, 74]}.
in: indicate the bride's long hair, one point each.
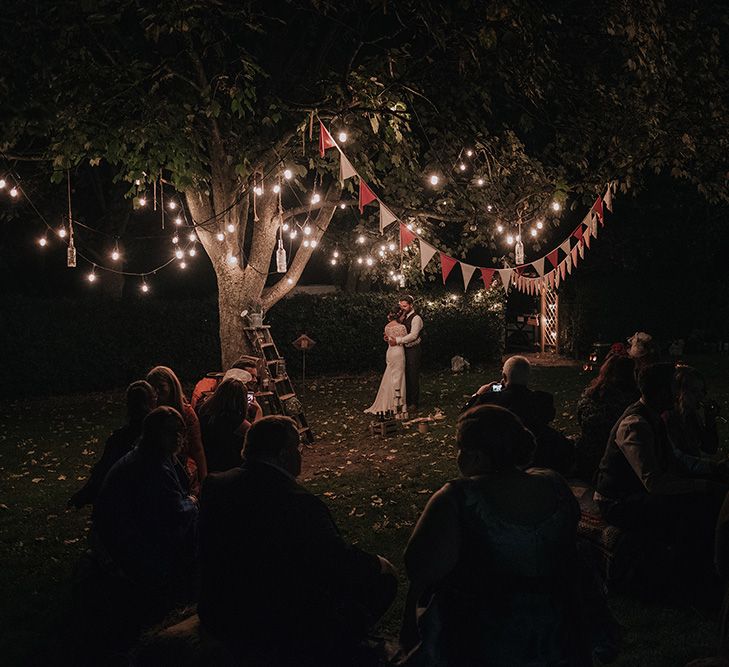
{"type": "Point", "coordinates": [394, 315]}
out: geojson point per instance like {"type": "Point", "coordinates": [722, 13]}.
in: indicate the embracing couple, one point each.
{"type": "Point", "coordinates": [400, 384]}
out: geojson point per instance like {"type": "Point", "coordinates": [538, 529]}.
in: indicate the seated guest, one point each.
{"type": "Point", "coordinates": [492, 560]}
{"type": "Point", "coordinates": [205, 387]}
{"type": "Point", "coordinates": [144, 524]}
{"type": "Point", "coordinates": [643, 487]}
{"type": "Point", "coordinates": [534, 408]}
{"type": "Point", "coordinates": [602, 402]}
{"type": "Point", "coordinates": [141, 400]}
{"type": "Point", "coordinates": [169, 392]}
{"type": "Point", "coordinates": [225, 417]}
{"type": "Point", "coordinates": [278, 582]}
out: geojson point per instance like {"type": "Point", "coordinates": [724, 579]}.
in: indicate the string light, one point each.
{"type": "Point", "coordinates": [510, 239]}
{"type": "Point", "coordinates": [381, 253]}
{"type": "Point", "coordinates": [230, 227]}
{"type": "Point", "coordinates": [115, 254]}
{"type": "Point", "coordinates": [42, 241]}
{"type": "Point", "coordinates": [13, 192]}
{"type": "Point", "coordinates": [540, 224]}
{"type": "Point", "coordinates": [192, 237]}
{"type": "Point", "coordinates": [232, 260]}
{"type": "Point", "coordinates": [290, 281]}
{"type": "Point", "coordinates": [359, 260]}
{"type": "Point", "coordinates": [179, 254]}
{"type": "Point", "coordinates": [3, 183]}
{"type": "Point", "coordinates": [172, 206]}
{"type": "Point", "coordinates": [315, 198]}
{"type": "Point", "coordinates": [342, 206]}
{"type": "Point", "coordinates": [489, 208]}
{"type": "Point", "coordinates": [391, 247]}
{"type": "Point", "coordinates": [192, 252]}
{"type": "Point", "coordinates": [333, 261]}
{"type": "Point", "coordinates": [91, 277]}
{"type": "Point", "coordinates": [287, 174]}
{"type": "Point", "coordinates": [556, 206]}
{"type": "Point", "coordinates": [292, 235]}
{"type": "Point", "coordinates": [62, 232]}
{"type": "Point", "coordinates": [469, 152]}
{"type": "Point", "coordinates": [142, 201]}
{"type": "Point", "coordinates": [285, 226]}
{"type": "Point", "coordinates": [335, 254]}
{"type": "Point", "coordinates": [462, 166]}
{"type": "Point", "coordinates": [307, 230]}
{"type": "Point", "coordinates": [370, 261]}
{"type": "Point", "coordinates": [178, 220]}
{"type": "Point", "coordinates": [533, 232]}
{"type": "Point", "coordinates": [220, 236]}
{"type": "Point", "coordinates": [183, 265]}
{"type": "Point", "coordinates": [360, 239]}
{"type": "Point", "coordinates": [314, 243]}
{"type": "Point", "coordinates": [175, 239]}
{"type": "Point", "coordinates": [277, 188]}
{"type": "Point", "coordinates": [258, 190]}
{"type": "Point", "coordinates": [419, 230]}
{"type": "Point", "coordinates": [137, 182]}
{"type": "Point", "coordinates": [305, 243]}
{"type": "Point", "coordinates": [410, 226]}
{"type": "Point", "coordinates": [342, 136]}
{"type": "Point", "coordinates": [434, 179]}
{"type": "Point", "coordinates": [144, 287]}
{"type": "Point", "coordinates": [479, 182]}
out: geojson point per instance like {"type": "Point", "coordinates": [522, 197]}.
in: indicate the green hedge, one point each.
{"type": "Point", "coordinates": [61, 346]}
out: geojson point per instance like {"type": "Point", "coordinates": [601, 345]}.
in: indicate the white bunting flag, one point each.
{"type": "Point", "coordinates": [427, 252]}
{"type": "Point", "coordinates": [608, 199]}
{"type": "Point", "coordinates": [539, 266]}
{"type": "Point", "coordinates": [346, 170]}
{"type": "Point", "coordinates": [565, 246]}
{"type": "Point", "coordinates": [568, 261]}
{"type": "Point", "coordinates": [581, 248]}
{"type": "Point", "coordinates": [505, 275]}
{"type": "Point", "coordinates": [467, 271]}
{"type": "Point", "coordinates": [387, 217]}
{"type": "Point", "coordinates": [556, 279]}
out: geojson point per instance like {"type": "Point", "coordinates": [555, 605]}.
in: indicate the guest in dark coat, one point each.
{"type": "Point", "coordinates": [534, 408]}
{"type": "Point", "coordinates": [141, 399]}
{"type": "Point", "coordinates": [277, 578]}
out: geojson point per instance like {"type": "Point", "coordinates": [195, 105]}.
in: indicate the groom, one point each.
{"type": "Point", "coordinates": [411, 342]}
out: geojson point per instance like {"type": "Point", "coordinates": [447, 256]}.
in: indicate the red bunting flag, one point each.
{"type": "Point", "coordinates": [406, 237]}
{"type": "Point", "coordinates": [487, 275]}
{"type": "Point", "coordinates": [325, 139]}
{"type": "Point", "coordinates": [579, 232]}
{"type": "Point", "coordinates": [597, 207]}
{"type": "Point", "coordinates": [366, 196]}
{"type": "Point", "coordinates": [446, 265]}
{"type": "Point", "coordinates": [552, 257]}
{"type": "Point", "coordinates": [563, 269]}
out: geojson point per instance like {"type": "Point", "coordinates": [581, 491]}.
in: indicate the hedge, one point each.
{"type": "Point", "coordinates": [62, 346]}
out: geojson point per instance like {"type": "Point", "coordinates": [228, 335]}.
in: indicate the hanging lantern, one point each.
{"type": "Point", "coordinates": [281, 257]}
{"type": "Point", "coordinates": [519, 251]}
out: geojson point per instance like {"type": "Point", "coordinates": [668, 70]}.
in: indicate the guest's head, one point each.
{"type": "Point", "coordinates": [394, 314]}
{"type": "Point", "coordinates": [163, 432]}
{"type": "Point", "coordinates": [168, 387]}
{"type": "Point", "coordinates": [617, 373]}
{"type": "Point", "coordinates": [249, 364]}
{"type": "Point", "coordinates": [274, 439]}
{"type": "Point", "coordinates": [689, 389]}
{"type": "Point", "coordinates": [655, 382]}
{"type": "Point", "coordinates": [229, 398]}
{"type": "Point", "coordinates": [516, 371]}
{"type": "Point", "coordinates": [492, 439]}
{"type": "Point", "coordinates": [406, 303]}
{"type": "Point", "coordinates": [141, 400]}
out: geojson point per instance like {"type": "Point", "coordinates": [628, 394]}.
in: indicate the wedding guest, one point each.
{"type": "Point", "coordinates": [169, 392]}
{"type": "Point", "coordinates": [279, 584]}
{"type": "Point", "coordinates": [141, 400]}
{"type": "Point", "coordinates": [599, 407]}
{"type": "Point", "coordinates": [492, 561]}
{"type": "Point", "coordinates": [534, 408]}
{"type": "Point", "coordinates": [207, 385]}
{"type": "Point", "coordinates": [225, 418]}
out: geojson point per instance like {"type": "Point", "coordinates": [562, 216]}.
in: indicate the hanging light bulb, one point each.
{"type": "Point", "coordinates": [192, 252]}
{"type": "Point", "coordinates": [285, 226]}
{"type": "Point", "coordinates": [232, 260]}
{"type": "Point", "coordinates": [142, 201]}
{"type": "Point", "coordinates": [335, 254]}
{"type": "Point", "coordinates": [307, 230]}
{"type": "Point", "coordinates": [306, 243]}
{"type": "Point", "coordinates": [556, 206]}
{"type": "Point", "coordinates": [287, 174]}
{"type": "Point", "coordinates": [314, 243]}
{"type": "Point", "coordinates": [230, 227]}
{"type": "Point", "coordinates": [462, 166]}
{"type": "Point", "coordinates": [410, 226]}
{"type": "Point", "coordinates": [13, 192]}
{"type": "Point", "coordinates": [359, 260]}
{"type": "Point", "coordinates": [342, 136]}
{"type": "Point", "coordinates": [258, 190]}
{"type": "Point", "coordinates": [3, 183]}
{"type": "Point", "coordinates": [172, 206]}
{"type": "Point", "coordinates": [62, 232]}
{"type": "Point", "coordinates": [42, 241]}
{"type": "Point", "coordinates": [510, 239]}
{"type": "Point", "coordinates": [499, 228]}
{"type": "Point", "coordinates": [192, 237]}
{"type": "Point", "coordinates": [342, 206]}
{"type": "Point", "coordinates": [137, 181]}
{"type": "Point", "coordinates": [419, 230]}
{"type": "Point", "coordinates": [391, 247]}
{"type": "Point", "coordinates": [290, 281]}
{"type": "Point", "coordinates": [115, 254]}
{"type": "Point", "coordinates": [178, 220]}
{"type": "Point", "coordinates": [333, 261]}
{"type": "Point", "coordinates": [183, 265]}
{"type": "Point", "coordinates": [533, 231]}
{"type": "Point", "coordinates": [391, 272]}
{"type": "Point", "coordinates": [277, 188]}
{"type": "Point", "coordinates": [92, 276]}
{"type": "Point", "coordinates": [144, 287]}
{"type": "Point", "coordinates": [292, 234]}
{"type": "Point", "coordinates": [220, 236]}
{"type": "Point", "coordinates": [360, 239]}
{"type": "Point", "coordinates": [469, 152]}
{"type": "Point", "coordinates": [479, 182]}
{"type": "Point", "coordinates": [179, 254]}
{"type": "Point", "coordinates": [315, 198]}
{"type": "Point", "coordinates": [175, 239]}
{"type": "Point", "coordinates": [489, 208]}
{"type": "Point", "coordinates": [540, 224]}
{"type": "Point", "coordinates": [280, 257]}
{"type": "Point", "coordinates": [434, 179]}
{"type": "Point", "coordinates": [369, 261]}
{"type": "Point", "coordinates": [382, 248]}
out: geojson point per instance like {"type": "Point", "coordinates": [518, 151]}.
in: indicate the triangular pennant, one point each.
{"type": "Point", "coordinates": [550, 276]}
{"type": "Point", "coordinates": [538, 265]}
{"type": "Point", "coordinates": [346, 170]}
{"type": "Point", "coordinates": [446, 265]}
{"type": "Point", "coordinates": [587, 236]}
{"type": "Point", "coordinates": [563, 269]}
{"type": "Point", "coordinates": [568, 262]}
{"type": "Point", "coordinates": [467, 271]}
{"type": "Point", "coordinates": [426, 253]}
{"type": "Point", "coordinates": [579, 232]}
{"type": "Point", "coordinates": [325, 139]}
{"type": "Point", "coordinates": [406, 237]}
{"type": "Point", "coordinates": [581, 247]}
{"type": "Point", "coordinates": [608, 199]}
{"type": "Point", "coordinates": [487, 275]}
{"type": "Point", "coordinates": [387, 217]}
{"type": "Point", "coordinates": [556, 279]}
{"type": "Point", "coordinates": [593, 224]}
{"type": "Point", "coordinates": [575, 251]}
{"type": "Point", "coordinates": [505, 275]}
{"type": "Point", "coordinates": [552, 257]}
{"type": "Point", "coordinates": [366, 196]}
{"type": "Point", "coordinates": [565, 247]}
{"type": "Point", "coordinates": [597, 207]}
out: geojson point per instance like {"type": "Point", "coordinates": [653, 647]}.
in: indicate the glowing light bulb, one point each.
{"type": "Point", "coordinates": [192, 236]}
{"type": "Point", "coordinates": [419, 230]}
{"type": "Point", "coordinates": [175, 239]}
{"type": "Point", "coordinates": [333, 261]}
{"type": "Point", "coordinates": [410, 226]}
{"type": "Point", "coordinates": [172, 206]}
{"type": "Point", "coordinates": [230, 228]}
{"type": "Point", "coordinates": [533, 232]}
{"type": "Point", "coordinates": [392, 273]}
{"type": "Point", "coordinates": [277, 188]}
{"type": "Point", "coordinates": [13, 192]}
{"type": "Point", "coordinates": [489, 208]}
{"type": "Point", "coordinates": [292, 234]}
{"type": "Point", "coordinates": [556, 206]}
{"type": "Point", "coordinates": [137, 182]}
{"type": "Point", "coordinates": [307, 230]}
{"type": "Point", "coordinates": [359, 260]}
{"type": "Point", "coordinates": [142, 201]}
{"type": "Point", "coordinates": [360, 239]}
{"type": "Point", "coordinates": [305, 243]}
{"type": "Point", "coordinates": [91, 277]}
{"type": "Point", "coordinates": [391, 247]}
{"type": "Point", "coordinates": [3, 183]}
{"type": "Point", "coordinates": [315, 198]}
{"type": "Point", "coordinates": [540, 224]}
{"type": "Point", "coordinates": [115, 255]}
{"type": "Point", "coordinates": [499, 228]}
{"type": "Point", "coordinates": [220, 236]}
{"type": "Point", "coordinates": [314, 243]}
{"type": "Point", "coordinates": [335, 254]}
{"type": "Point", "coordinates": [370, 261]}
{"type": "Point", "coordinates": [479, 182]}
{"type": "Point", "coordinates": [287, 174]}
{"type": "Point", "coordinates": [382, 248]}
{"type": "Point", "coordinates": [145, 288]}
{"type": "Point", "coordinates": [42, 241]}
{"type": "Point", "coordinates": [232, 260]}
{"type": "Point", "coordinates": [462, 166]}
{"type": "Point", "coordinates": [192, 252]}
{"type": "Point", "coordinates": [342, 136]}
{"type": "Point", "coordinates": [183, 265]}
{"type": "Point", "coordinates": [342, 206]}
{"type": "Point", "coordinates": [469, 153]}
{"type": "Point", "coordinates": [381, 253]}
{"type": "Point", "coordinates": [434, 179]}
{"type": "Point", "coordinates": [179, 254]}
{"type": "Point", "coordinates": [285, 226]}
{"type": "Point", "coordinates": [510, 239]}
{"type": "Point", "coordinates": [258, 190]}
{"type": "Point", "coordinates": [62, 232]}
{"type": "Point", "coordinates": [178, 220]}
{"type": "Point", "coordinates": [290, 281]}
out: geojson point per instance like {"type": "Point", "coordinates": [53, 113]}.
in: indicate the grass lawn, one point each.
{"type": "Point", "coordinates": [375, 487]}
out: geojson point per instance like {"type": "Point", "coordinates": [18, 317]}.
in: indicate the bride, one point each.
{"type": "Point", "coordinates": [391, 394]}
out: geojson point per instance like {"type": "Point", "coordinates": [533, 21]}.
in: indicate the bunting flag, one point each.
{"type": "Point", "coordinates": [505, 275]}
{"type": "Point", "coordinates": [387, 217]}
{"type": "Point", "coordinates": [581, 246]}
{"type": "Point", "coordinates": [487, 275]}
{"type": "Point", "coordinates": [608, 199]}
{"type": "Point", "coordinates": [446, 265]}
{"type": "Point", "coordinates": [579, 232]}
{"type": "Point", "coordinates": [568, 261]}
{"type": "Point", "coordinates": [556, 279]}
{"type": "Point", "coordinates": [552, 257]}
{"type": "Point", "coordinates": [406, 237]}
{"type": "Point", "coordinates": [346, 170]}
{"type": "Point", "coordinates": [538, 265]}
{"type": "Point", "coordinates": [427, 252]}
{"type": "Point", "coordinates": [366, 196]}
{"type": "Point", "coordinates": [573, 253]}
{"type": "Point", "coordinates": [467, 271]}
{"type": "Point", "coordinates": [597, 207]}
{"type": "Point", "coordinates": [565, 246]}
{"type": "Point", "coordinates": [563, 269]}
{"type": "Point", "coordinates": [551, 279]}
{"type": "Point", "coordinates": [325, 140]}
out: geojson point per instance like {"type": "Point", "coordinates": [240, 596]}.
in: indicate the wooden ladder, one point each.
{"type": "Point", "coordinates": [276, 395]}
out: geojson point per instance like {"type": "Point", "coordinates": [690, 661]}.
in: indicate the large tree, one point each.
{"type": "Point", "coordinates": [217, 99]}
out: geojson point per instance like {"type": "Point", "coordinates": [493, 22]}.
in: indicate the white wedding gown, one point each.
{"type": "Point", "coordinates": [393, 378]}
